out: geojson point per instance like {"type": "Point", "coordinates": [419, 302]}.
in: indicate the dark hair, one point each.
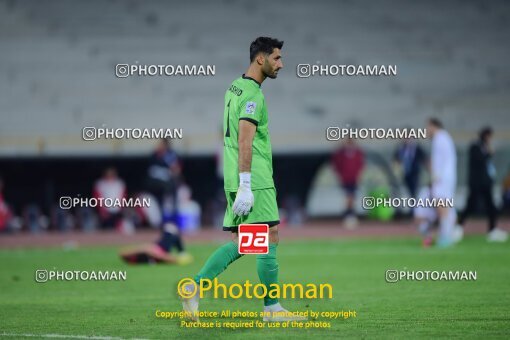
{"type": "Point", "coordinates": [265, 45]}
{"type": "Point", "coordinates": [485, 132]}
{"type": "Point", "coordinates": [436, 122]}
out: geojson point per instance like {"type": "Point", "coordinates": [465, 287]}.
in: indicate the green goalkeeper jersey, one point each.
{"type": "Point", "coordinates": [244, 100]}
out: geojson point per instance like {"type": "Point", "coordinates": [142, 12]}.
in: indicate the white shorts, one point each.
{"type": "Point", "coordinates": [426, 213]}
{"type": "Point", "coordinates": [443, 189]}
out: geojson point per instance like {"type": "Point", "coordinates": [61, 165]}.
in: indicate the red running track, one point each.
{"type": "Point", "coordinates": [310, 230]}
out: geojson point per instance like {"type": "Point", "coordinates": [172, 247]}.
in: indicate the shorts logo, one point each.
{"type": "Point", "coordinates": [253, 239]}
{"type": "Point", "coordinates": [250, 107]}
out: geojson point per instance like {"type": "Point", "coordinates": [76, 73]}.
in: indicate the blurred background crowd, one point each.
{"type": "Point", "coordinates": [349, 173]}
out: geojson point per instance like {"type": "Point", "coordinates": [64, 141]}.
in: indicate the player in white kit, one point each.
{"type": "Point", "coordinates": [443, 170]}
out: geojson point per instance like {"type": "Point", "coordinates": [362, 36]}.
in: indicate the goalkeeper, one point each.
{"type": "Point", "coordinates": [248, 169]}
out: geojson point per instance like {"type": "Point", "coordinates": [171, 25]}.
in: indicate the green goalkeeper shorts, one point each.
{"type": "Point", "coordinates": [264, 210]}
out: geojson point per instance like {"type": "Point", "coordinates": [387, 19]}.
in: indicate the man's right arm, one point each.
{"type": "Point", "coordinates": [244, 199]}
{"type": "Point", "coordinates": [246, 134]}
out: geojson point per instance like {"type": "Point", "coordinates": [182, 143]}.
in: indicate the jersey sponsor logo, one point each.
{"type": "Point", "coordinates": [253, 239]}
{"type": "Point", "coordinates": [235, 90]}
{"type": "Point", "coordinates": [250, 107]}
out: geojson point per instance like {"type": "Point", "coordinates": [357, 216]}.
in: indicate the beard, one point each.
{"type": "Point", "coordinates": [271, 75]}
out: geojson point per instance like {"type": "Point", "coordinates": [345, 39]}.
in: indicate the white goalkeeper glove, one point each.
{"type": "Point", "coordinates": [244, 198]}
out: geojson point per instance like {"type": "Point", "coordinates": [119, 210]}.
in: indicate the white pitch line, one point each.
{"type": "Point", "coordinates": [63, 336]}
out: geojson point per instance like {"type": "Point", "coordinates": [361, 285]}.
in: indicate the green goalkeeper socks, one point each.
{"type": "Point", "coordinates": [267, 268]}
{"type": "Point", "coordinates": [218, 262]}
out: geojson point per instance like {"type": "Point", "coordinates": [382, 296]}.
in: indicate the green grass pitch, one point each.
{"type": "Point", "coordinates": [355, 268]}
